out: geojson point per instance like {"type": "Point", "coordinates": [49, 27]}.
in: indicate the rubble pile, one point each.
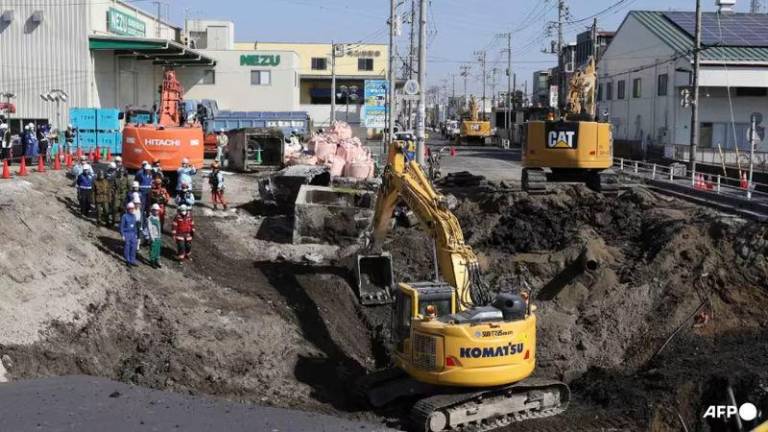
{"type": "Point", "coordinates": [337, 149]}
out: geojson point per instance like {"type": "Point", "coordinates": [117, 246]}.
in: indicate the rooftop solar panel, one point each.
{"type": "Point", "coordinates": [733, 29]}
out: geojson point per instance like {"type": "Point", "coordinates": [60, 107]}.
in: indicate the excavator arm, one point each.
{"type": "Point", "coordinates": [457, 263]}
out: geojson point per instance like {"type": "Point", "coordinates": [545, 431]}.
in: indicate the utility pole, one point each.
{"type": "Point", "coordinates": [392, 94]}
{"type": "Point", "coordinates": [412, 60]}
{"type": "Point", "coordinates": [756, 6]}
{"type": "Point", "coordinates": [561, 11]}
{"type": "Point", "coordinates": [695, 102]}
{"type": "Point", "coordinates": [494, 71]}
{"type": "Point", "coordinates": [465, 73]}
{"type": "Point", "coordinates": [481, 57]}
{"type": "Point", "coordinates": [333, 82]}
{"type": "Point", "coordinates": [508, 104]}
{"type": "Point", "coordinates": [422, 113]}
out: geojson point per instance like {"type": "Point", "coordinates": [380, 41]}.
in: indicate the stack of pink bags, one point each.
{"type": "Point", "coordinates": [341, 152]}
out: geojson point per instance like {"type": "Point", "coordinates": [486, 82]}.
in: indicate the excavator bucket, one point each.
{"type": "Point", "coordinates": [374, 278]}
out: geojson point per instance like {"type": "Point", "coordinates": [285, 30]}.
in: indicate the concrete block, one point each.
{"type": "Point", "coordinates": [331, 215]}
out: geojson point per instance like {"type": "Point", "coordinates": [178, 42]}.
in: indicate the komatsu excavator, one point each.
{"type": "Point", "coordinates": [573, 148]}
{"type": "Point", "coordinates": [466, 354]}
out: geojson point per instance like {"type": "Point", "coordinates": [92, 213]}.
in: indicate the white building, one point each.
{"type": "Point", "coordinates": [646, 68]}
{"type": "Point", "coordinates": [102, 53]}
{"type": "Point", "coordinates": [246, 80]}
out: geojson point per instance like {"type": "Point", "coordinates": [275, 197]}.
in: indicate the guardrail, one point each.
{"type": "Point", "coordinates": [713, 183]}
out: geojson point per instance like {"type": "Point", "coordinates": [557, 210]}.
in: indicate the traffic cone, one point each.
{"type": "Point", "coordinates": [6, 170]}
{"type": "Point", "coordinates": [68, 160]}
{"type": "Point", "coordinates": [453, 151]}
{"type": "Point", "coordinates": [57, 162]}
{"type": "Point", "coordinates": [743, 182]}
{"type": "Point", "coordinates": [79, 153]}
{"type": "Point", "coordinates": [97, 154]}
{"type": "Point", "coordinates": [22, 167]}
{"type": "Point", "coordinates": [91, 157]}
{"type": "Point", "coordinates": [107, 154]}
{"type": "Point", "coordinates": [40, 164]}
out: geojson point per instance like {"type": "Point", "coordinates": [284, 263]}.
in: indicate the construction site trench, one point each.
{"type": "Point", "coordinates": [646, 304]}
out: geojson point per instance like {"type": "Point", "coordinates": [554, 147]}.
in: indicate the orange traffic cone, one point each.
{"type": "Point", "coordinates": [108, 151]}
{"type": "Point", "coordinates": [97, 154]}
{"type": "Point", "coordinates": [90, 156]}
{"type": "Point", "coordinates": [40, 164]}
{"type": "Point", "coordinates": [743, 182]}
{"type": "Point", "coordinates": [6, 170]}
{"type": "Point", "coordinates": [453, 151]}
{"type": "Point", "coordinates": [79, 153]}
{"type": "Point", "coordinates": [68, 160]}
{"type": "Point", "coordinates": [57, 162]}
{"type": "Point", "coordinates": [23, 167]}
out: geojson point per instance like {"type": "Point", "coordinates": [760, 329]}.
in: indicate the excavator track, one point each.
{"type": "Point", "coordinates": [491, 409]}
{"type": "Point", "coordinates": [534, 181]}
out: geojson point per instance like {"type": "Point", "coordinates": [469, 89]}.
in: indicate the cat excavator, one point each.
{"type": "Point", "coordinates": [575, 147]}
{"type": "Point", "coordinates": [468, 355]}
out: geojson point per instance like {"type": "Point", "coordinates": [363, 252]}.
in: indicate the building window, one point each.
{"type": "Point", "coordinates": [261, 77]}
{"type": "Point", "coordinates": [319, 63]}
{"type": "Point", "coordinates": [608, 91]}
{"type": "Point", "coordinates": [662, 84]}
{"type": "Point", "coordinates": [599, 92]}
{"type": "Point", "coordinates": [751, 91]}
{"type": "Point", "coordinates": [208, 78]}
{"type": "Point", "coordinates": [621, 89]}
{"type": "Point", "coordinates": [637, 89]}
{"type": "Point", "coordinates": [365, 64]}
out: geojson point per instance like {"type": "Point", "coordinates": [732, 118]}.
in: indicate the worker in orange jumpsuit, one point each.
{"type": "Point", "coordinates": [183, 231]}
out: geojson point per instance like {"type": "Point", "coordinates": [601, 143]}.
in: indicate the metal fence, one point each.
{"type": "Point", "coordinates": [677, 173]}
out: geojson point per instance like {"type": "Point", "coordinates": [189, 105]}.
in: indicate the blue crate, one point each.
{"type": "Point", "coordinates": [111, 140]}
{"type": "Point", "coordinates": [107, 119]}
{"type": "Point", "coordinates": [83, 118]}
{"type": "Point", "coordinates": [87, 140]}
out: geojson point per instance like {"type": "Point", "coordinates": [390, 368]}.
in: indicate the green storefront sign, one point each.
{"type": "Point", "coordinates": [259, 60]}
{"type": "Point", "coordinates": [123, 24]}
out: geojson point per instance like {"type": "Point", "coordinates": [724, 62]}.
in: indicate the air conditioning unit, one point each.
{"type": "Point", "coordinates": [339, 50]}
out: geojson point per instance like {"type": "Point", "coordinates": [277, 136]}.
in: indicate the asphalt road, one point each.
{"type": "Point", "coordinates": [493, 163]}
{"type": "Point", "coordinates": [90, 404]}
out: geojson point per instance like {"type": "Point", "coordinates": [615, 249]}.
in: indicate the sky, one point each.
{"type": "Point", "coordinates": [457, 28]}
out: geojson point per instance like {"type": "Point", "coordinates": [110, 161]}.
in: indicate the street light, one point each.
{"type": "Point", "coordinates": [347, 93]}
{"type": "Point", "coordinates": [58, 96]}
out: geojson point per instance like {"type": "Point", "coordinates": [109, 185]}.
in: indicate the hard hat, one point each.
{"type": "Point", "coordinates": [185, 161]}
{"type": "Point", "coordinates": [137, 200]}
{"type": "Point", "coordinates": [3, 126]}
{"type": "Point", "coordinates": [86, 167]}
{"type": "Point", "coordinates": [146, 165]}
{"type": "Point", "coordinates": [118, 159]}
{"type": "Point", "coordinates": [113, 165]}
{"type": "Point", "coordinates": [70, 126]}
{"type": "Point", "coordinates": [221, 130]}
{"type": "Point", "coordinates": [155, 206]}
{"type": "Point", "coordinates": [131, 206]}
{"type": "Point", "coordinates": [183, 208]}
{"type": "Point", "coordinates": [135, 184]}
{"type": "Point", "coordinates": [83, 158]}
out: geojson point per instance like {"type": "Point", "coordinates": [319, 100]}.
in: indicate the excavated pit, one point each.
{"type": "Point", "coordinates": [250, 319]}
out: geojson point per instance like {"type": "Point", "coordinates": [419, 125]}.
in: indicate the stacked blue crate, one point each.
{"type": "Point", "coordinates": [97, 127]}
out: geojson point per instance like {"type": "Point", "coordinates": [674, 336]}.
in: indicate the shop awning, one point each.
{"type": "Point", "coordinates": [159, 51]}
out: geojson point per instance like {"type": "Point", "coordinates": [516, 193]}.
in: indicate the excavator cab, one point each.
{"type": "Point", "coordinates": [419, 299]}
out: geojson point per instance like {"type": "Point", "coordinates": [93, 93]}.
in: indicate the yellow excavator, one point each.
{"type": "Point", "coordinates": [468, 355]}
{"type": "Point", "coordinates": [473, 129]}
{"type": "Point", "coordinates": [575, 147]}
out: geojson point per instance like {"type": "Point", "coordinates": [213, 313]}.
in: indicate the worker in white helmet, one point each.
{"type": "Point", "coordinates": [85, 190]}
{"type": "Point", "coordinates": [129, 230]}
{"type": "Point", "coordinates": [154, 233]}
{"type": "Point", "coordinates": [222, 141]}
{"type": "Point", "coordinates": [183, 231]}
{"type": "Point", "coordinates": [184, 174]}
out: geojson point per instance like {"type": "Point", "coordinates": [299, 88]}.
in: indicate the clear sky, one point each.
{"type": "Point", "coordinates": [457, 28]}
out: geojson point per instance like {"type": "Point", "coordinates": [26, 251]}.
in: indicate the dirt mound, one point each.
{"type": "Point", "coordinates": [659, 265]}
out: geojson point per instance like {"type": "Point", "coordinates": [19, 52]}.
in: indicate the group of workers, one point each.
{"type": "Point", "coordinates": [34, 140]}
{"type": "Point", "coordinates": [138, 204]}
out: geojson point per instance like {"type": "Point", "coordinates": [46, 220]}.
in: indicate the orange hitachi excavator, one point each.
{"type": "Point", "coordinates": [170, 140]}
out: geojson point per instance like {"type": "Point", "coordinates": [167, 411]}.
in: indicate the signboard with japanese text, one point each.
{"type": "Point", "coordinates": [121, 23]}
{"type": "Point", "coordinates": [375, 104]}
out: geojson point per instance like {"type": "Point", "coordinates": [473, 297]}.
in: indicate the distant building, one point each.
{"type": "Point", "coordinates": [646, 70]}
{"type": "Point", "coordinates": [585, 46]}
{"type": "Point", "coordinates": [355, 64]}
{"type": "Point", "coordinates": [541, 83]}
